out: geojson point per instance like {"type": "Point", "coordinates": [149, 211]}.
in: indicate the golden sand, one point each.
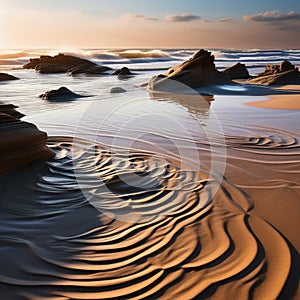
{"type": "Point", "coordinates": [283, 102]}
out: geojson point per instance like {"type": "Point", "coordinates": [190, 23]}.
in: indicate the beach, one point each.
{"type": "Point", "coordinates": [153, 195]}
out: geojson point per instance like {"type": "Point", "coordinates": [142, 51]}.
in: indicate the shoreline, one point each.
{"type": "Point", "coordinates": [278, 102]}
{"type": "Point", "coordinates": [282, 101]}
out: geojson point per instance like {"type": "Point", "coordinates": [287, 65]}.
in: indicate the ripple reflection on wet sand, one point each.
{"type": "Point", "coordinates": [186, 244]}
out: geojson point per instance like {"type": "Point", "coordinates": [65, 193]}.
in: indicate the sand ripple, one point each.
{"type": "Point", "coordinates": [181, 242]}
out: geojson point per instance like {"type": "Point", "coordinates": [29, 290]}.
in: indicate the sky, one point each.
{"type": "Point", "coordinates": [74, 24]}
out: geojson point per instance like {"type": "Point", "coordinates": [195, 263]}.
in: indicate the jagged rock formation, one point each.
{"type": "Point", "coordinates": [60, 63]}
{"type": "Point", "coordinates": [72, 65]}
{"type": "Point", "coordinates": [275, 69]}
{"type": "Point", "coordinates": [237, 71]}
{"type": "Point", "coordinates": [196, 72]}
{"type": "Point", "coordinates": [282, 74]}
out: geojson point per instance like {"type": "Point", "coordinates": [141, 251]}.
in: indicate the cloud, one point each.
{"type": "Point", "coordinates": [135, 17]}
{"type": "Point", "coordinates": [226, 20]}
{"type": "Point", "coordinates": [181, 18]}
{"type": "Point", "coordinates": [273, 16]}
{"type": "Point", "coordinates": [152, 19]}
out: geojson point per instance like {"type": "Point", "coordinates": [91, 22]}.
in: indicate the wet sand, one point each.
{"type": "Point", "coordinates": [283, 102]}
{"type": "Point", "coordinates": [159, 232]}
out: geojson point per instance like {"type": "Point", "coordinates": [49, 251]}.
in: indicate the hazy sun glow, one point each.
{"type": "Point", "coordinates": [104, 24]}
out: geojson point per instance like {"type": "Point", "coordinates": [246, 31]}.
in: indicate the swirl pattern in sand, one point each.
{"type": "Point", "coordinates": [203, 247]}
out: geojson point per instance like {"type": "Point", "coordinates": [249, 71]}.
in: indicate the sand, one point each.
{"type": "Point", "coordinates": [96, 224]}
{"type": "Point", "coordinates": [182, 235]}
{"type": "Point", "coordinates": [283, 101]}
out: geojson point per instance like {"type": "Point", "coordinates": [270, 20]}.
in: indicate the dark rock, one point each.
{"type": "Point", "coordinates": [4, 77]}
{"type": "Point", "coordinates": [89, 70]}
{"type": "Point", "coordinates": [60, 63]}
{"type": "Point", "coordinates": [33, 62]}
{"type": "Point", "coordinates": [282, 74]}
{"type": "Point", "coordinates": [275, 69]}
{"type": "Point", "coordinates": [237, 71]}
{"type": "Point", "coordinates": [196, 72]}
{"type": "Point", "coordinates": [117, 89]}
{"type": "Point", "coordinates": [282, 78]}
{"type": "Point", "coordinates": [286, 66]}
{"type": "Point", "coordinates": [50, 69]}
{"type": "Point", "coordinates": [62, 94]}
{"type": "Point", "coordinates": [21, 144]}
{"type": "Point", "coordinates": [122, 72]}
{"type": "Point", "coordinates": [10, 109]}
